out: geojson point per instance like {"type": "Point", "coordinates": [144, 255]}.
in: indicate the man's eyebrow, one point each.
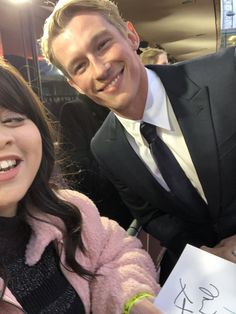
{"type": "Point", "coordinates": [94, 38]}
{"type": "Point", "coordinates": [99, 34]}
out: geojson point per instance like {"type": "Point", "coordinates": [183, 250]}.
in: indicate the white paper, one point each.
{"type": "Point", "coordinates": [199, 283]}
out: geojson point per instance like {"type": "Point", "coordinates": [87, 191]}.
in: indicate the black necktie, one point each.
{"type": "Point", "coordinates": [170, 169]}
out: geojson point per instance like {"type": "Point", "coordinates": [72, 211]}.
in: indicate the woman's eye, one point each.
{"type": "Point", "coordinates": [14, 120]}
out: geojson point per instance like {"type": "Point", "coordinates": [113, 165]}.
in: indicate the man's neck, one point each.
{"type": "Point", "coordinates": [136, 109]}
{"type": "Point", "coordinates": [133, 114]}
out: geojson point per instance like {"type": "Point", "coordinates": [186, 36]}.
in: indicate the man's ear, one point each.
{"type": "Point", "coordinates": [132, 35]}
{"type": "Point", "coordinates": [72, 84]}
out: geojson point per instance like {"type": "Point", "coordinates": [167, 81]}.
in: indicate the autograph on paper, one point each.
{"type": "Point", "coordinates": [200, 283]}
{"type": "Point", "coordinates": [208, 294]}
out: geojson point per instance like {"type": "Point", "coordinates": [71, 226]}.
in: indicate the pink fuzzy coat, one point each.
{"type": "Point", "coordinates": [126, 269]}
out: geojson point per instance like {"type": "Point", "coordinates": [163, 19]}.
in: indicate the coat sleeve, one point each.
{"type": "Point", "coordinates": [123, 268]}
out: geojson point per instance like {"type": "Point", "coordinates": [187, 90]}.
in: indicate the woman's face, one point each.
{"type": "Point", "coordinates": [20, 158]}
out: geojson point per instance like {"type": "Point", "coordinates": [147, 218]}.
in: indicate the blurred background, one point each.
{"type": "Point", "coordinates": [184, 28]}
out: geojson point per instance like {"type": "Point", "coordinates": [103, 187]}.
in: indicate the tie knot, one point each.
{"type": "Point", "coordinates": [148, 131]}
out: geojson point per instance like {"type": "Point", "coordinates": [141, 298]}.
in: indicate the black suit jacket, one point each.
{"type": "Point", "coordinates": [202, 93]}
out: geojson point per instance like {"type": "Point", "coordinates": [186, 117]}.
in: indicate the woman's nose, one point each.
{"type": "Point", "coordinates": [6, 138]}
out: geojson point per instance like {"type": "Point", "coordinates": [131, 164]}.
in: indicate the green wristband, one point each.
{"type": "Point", "coordinates": [128, 305]}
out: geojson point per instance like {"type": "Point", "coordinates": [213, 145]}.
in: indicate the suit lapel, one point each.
{"type": "Point", "coordinates": [132, 166]}
{"type": "Point", "coordinates": [192, 109]}
{"type": "Point", "coordinates": [128, 156]}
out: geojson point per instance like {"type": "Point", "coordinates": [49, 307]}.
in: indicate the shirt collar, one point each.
{"type": "Point", "coordinates": [156, 110]}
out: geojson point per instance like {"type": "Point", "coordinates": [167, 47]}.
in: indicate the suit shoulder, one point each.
{"type": "Point", "coordinates": [105, 128]}
{"type": "Point", "coordinates": [223, 56]}
{"type": "Point", "coordinates": [105, 137]}
{"type": "Point", "coordinates": [207, 69]}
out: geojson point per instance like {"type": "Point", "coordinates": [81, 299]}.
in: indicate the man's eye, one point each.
{"type": "Point", "coordinates": [103, 44]}
{"type": "Point", "coordinates": [80, 68]}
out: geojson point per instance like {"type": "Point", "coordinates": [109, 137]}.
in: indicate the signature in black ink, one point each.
{"type": "Point", "coordinates": [228, 310]}
{"type": "Point", "coordinates": [186, 303]}
{"type": "Point", "coordinates": [182, 298]}
{"type": "Point", "coordinates": [210, 296]}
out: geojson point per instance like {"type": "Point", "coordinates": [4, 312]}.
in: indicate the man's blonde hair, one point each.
{"type": "Point", "coordinates": [150, 55]}
{"type": "Point", "coordinates": [63, 13]}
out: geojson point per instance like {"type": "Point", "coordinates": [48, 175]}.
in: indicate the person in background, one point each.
{"type": "Point", "coordinates": [57, 255]}
{"type": "Point", "coordinates": [154, 56]}
{"type": "Point", "coordinates": [168, 144]}
{"type": "Point", "coordinates": [79, 121]}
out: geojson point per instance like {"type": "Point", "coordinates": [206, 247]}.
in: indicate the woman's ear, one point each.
{"type": "Point", "coordinates": [72, 84]}
{"type": "Point", "coordinates": [132, 35]}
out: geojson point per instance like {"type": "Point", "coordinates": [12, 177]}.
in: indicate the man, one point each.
{"type": "Point", "coordinates": [192, 108]}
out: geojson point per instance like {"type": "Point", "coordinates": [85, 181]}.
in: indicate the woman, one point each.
{"type": "Point", "coordinates": [57, 255]}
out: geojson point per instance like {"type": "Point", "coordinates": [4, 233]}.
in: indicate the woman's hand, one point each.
{"type": "Point", "coordinates": [145, 306]}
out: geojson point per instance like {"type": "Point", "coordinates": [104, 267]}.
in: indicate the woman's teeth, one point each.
{"type": "Point", "coordinates": [7, 165]}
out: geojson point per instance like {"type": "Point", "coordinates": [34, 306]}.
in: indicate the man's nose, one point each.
{"type": "Point", "coordinates": [101, 69]}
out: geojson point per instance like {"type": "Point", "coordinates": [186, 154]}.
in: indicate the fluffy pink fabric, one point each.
{"type": "Point", "coordinates": [125, 269]}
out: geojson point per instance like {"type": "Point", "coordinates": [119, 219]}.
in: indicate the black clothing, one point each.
{"type": "Point", "coordinates": [203, 96]}
{"type": "Point", "coordinates": [79, 121]}
{"type": "Point", "coordinates": [41, 288]}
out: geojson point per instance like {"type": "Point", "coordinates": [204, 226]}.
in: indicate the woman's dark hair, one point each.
{"type": "Point", "coordinates": [17, 96]}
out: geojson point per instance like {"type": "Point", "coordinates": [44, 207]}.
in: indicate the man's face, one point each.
{"type": "Point", "coordinates": [102, 63]}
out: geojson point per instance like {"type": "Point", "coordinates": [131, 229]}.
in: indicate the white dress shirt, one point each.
{"type": "Point", "coordinates": [158, 111]}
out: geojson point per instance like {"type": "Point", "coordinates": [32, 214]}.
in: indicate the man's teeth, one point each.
{"type": "Point", "coordinates": [7, 165]}
{"type": "Point", "coordinates": [114, 81]}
